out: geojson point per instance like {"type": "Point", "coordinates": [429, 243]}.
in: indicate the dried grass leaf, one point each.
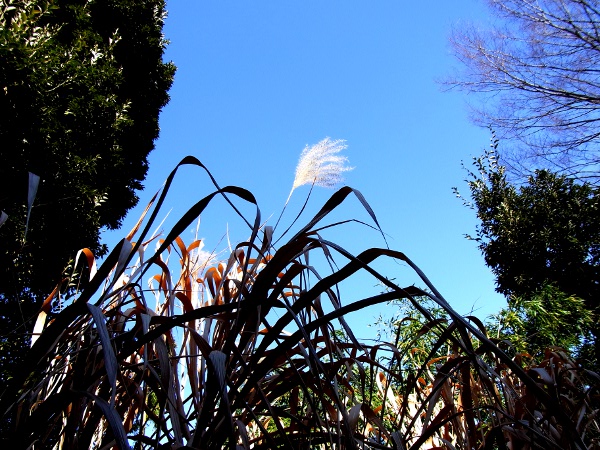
{"type": "Point", "coordinates": [110, 360]}
{"type": "Point", "coordinates": [113, 419]}
{"type": "Point", "coordinates": [3, 217]}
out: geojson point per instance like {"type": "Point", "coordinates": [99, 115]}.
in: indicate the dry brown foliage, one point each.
{"type": "Point", "coordinates": [241, 353]}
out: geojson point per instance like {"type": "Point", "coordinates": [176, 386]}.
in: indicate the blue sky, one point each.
{"type": "Point", "coordinates": [257, 81]}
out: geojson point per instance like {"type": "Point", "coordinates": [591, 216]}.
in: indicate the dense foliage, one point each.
{"type": "Point", "coordinates": [545, 232]}
{"type": "Point", "coordinates": [81, 88]}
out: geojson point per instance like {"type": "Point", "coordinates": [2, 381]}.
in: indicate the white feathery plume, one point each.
{"type": "Point", "coordinates": [321, 165]}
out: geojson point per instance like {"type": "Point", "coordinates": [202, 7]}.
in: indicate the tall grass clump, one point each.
{"type": "Point", "coordinates": [168, 346]}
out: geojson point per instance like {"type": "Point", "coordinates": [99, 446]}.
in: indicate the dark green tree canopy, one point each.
{"type": "Point", "coordinates": [81, 87]}
{"type": "Point", "coordinates": [546, 230]}
{"type": "Point", "coordinates": [543, 233]}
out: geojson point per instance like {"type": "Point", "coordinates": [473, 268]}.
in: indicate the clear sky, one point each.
{"type": "Point", "coordinates": [257, 81]}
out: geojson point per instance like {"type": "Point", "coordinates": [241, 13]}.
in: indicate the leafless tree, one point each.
{"type": "Point", "coordinates": [537, 72]}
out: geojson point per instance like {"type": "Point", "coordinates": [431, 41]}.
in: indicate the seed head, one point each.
{"type": "Point", "coordinates": [321, 164]}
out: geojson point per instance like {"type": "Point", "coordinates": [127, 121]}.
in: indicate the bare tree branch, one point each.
{"type": "Point", "coordinates": [537, 76]}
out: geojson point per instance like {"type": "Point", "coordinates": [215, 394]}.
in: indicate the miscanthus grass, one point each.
{"type": "Point", "coordinates": [319, 165]}
{"type": "Point", "coordinates": [165, 346]}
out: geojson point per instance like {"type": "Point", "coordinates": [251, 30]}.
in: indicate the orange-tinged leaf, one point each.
{"type": "Point", "coordinates": [194, 245]}
{"type": "Point", "coordinates": [185, 301]}
{"type": "Point", "coordinates": [181, 246]}
{"type": "Point", "coordinates": [47, 305]}
{"type": "Point", "coordinates": [90, 260]}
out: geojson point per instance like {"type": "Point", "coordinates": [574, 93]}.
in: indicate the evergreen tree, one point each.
{"type": "Point", "coordinates": [81, 87]}
{"type": "Point", "coordinates": [541, 240]}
